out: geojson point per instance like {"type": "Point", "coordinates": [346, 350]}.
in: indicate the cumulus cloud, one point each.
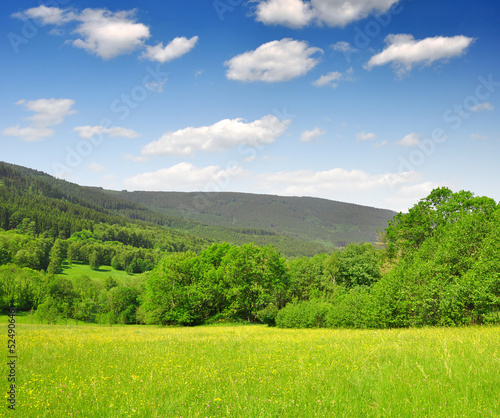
{"type": "Point", "coordinates": [313, 134]}
{"type": "Point", "coordinates": [291, 13]}
{"type": "Point", "coordinates": [403, 51]}
{"type": "Point", "coordinates": [299, 13]}
{"type": "Point", "coordinates": [365, 136]}
{"type": "Point", "coordinates": [29, 133]}
{"type": "Point", "coordinates": [327, 183]}
{"type": "Point", "coordinates": [222, 135]}
{"type": "Point", "coordinates": [175, 49]}
{"type": "Point", "coordinates": [108, 34]}
{"type": "Point", "coordinates": [398, 190]}
{"type": "Point", "coordinates": [410, 140]}
{"type": "Point", "coordinates": [47, 112]}
{"type": "Point", "coordinates": [47, 15]}
{"type": "Point", "coordinates": [273, 61]}
{"type": "Point", "coordinates": [183, 177]}
{"type": "Point", "coordinates": [483, 106]}
{"type": "Point", "coordinates": [87, 132]}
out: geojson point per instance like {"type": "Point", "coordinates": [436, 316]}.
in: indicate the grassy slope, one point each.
{"type": "Point", "coordinates": [255, 371]}
{"type": "Point", "coordinates": [77, 269]}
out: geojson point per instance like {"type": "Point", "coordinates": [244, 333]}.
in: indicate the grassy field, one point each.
{"type": "Point", "coordinates": [254, 371]}
{"type": "Point", "coordinates": [78, 269]}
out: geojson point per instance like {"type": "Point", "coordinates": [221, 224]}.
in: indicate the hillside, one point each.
{"type": "Point", "coordinates": [330, 223]}
{"type": "Point", "coordinates": [297, 226]}
{"type": "Point", "coordinates": [60, 208]}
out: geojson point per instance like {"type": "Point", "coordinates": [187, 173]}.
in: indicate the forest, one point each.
{"type": "Point", "coordinates": [438, 264]}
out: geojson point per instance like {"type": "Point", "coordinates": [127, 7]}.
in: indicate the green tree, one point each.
{"type": "Point", "coordinates": [253, 277]}
{"type": "Point", "coordinates": [95, 260]}
{"type": "Point", "coordinates": [358, 265]}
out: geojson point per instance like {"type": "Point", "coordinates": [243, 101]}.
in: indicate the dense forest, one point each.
{"type": "Point", "coordinates": [438, 265]}
{"type": "Point", "coordinates": [311, 219]}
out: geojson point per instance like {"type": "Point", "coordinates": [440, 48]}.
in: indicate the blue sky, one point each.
{"type": "Point", "coordinates": [374, 102]}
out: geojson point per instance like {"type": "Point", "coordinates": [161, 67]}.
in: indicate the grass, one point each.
{"type": "Point", "coordinates": [255, 371]}
{"type": "Point", "coordinates": [77, 269]}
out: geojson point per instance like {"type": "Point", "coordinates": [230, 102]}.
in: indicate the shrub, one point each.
{"type": "Point", "coordinates": [268, 315]}
{"type": "Point", "coordinates": [309, 314]}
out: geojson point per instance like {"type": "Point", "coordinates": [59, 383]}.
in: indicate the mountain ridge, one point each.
{"type": "Point", "coordinates": [296, 225]}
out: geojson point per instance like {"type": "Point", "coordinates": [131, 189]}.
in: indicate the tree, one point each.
{"type": "Point", "coordinates": [4, 256]}
{"type": "Point", "coordinates": [253, 278]}
{"type": "Point", "coordinates": [95, 260]}
{"type": "Point", "coordinates": [358, 265]}
{"type": "Point", "coordinates": [171, 291]}
{"type": "Point", "coordinates": [406, 232]}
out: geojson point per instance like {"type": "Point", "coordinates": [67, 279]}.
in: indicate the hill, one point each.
{"type": "Point", "coordinates": [297, 226]}
{"type": "Point", "coordinates": [329, 223]}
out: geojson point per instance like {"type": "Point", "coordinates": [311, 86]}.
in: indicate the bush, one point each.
{"type": "Point", "coordinates": [352, 310]}
{"type": "Point", "coordinates": [309, 314]}
{"type": "Point", "coordinates": [268, 315]}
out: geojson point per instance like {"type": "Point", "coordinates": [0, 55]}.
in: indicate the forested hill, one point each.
{"type": "Point", "coordinates": [296, 226]}
{"type": "Point", "coordinates": [328, 222]}
{"type": "Point", "coordinates": [59, 208]}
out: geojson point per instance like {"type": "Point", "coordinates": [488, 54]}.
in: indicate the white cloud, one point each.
{"type": "Point", "coordinates": [87, 132]}
{"type": "Point", "coordinates": [479, 137]}
{"type": "Point", "coordinates": [299, 13]}
{"type": "Point", "coordinates": [183, 177]}
{"type": "Point", "coordinates": [403, 51]}
{"type": "Point", "coordinates": [175, 49]}
{"type": "Point", "coordinates": [366, 136]}
{"type": "Point", "coordinates": [313, 134]}
{"type": "Point", "coordinates": [327, 183]}
{"type": "Point", "coordinates": [328, 79]}
{"type": "Point", "coordinates": [222, 135]}
{"type": "Point", "coordinates": [397, 191]}
{"type": "Point", "coordinates": [109, 34]}
{"type": "Point", "coordinates": [408, 195]}
{"type": "Point", "coordinates": [48, 112]}
{"type": "Point", "coordinates": [483, 106]}
{"type": "Point", "coordinates": [343, 12]}
{"type": "Point", "coordinates": [273, 61]}
{"type": "Point", "coordinates": [29, 133]}
{"type": "Point", "coordinates": [343, 46]}
{"type": "Point", "coordinates": [410, 140]}
{"type": "Point", "coordinates": [47, 15]}
{"type": "Point", "coordinates": [102, 32]}
{"type": "Point", "coordinates": [96, 168]}
{"type": "Point", "coordinates": [291, 13]}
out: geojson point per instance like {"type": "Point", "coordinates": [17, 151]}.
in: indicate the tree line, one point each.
{"type": "Point", "coordinates": [440, 265]}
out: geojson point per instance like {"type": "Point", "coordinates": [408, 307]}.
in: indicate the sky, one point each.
{"type": "Point", "coordinates": [373, 102]}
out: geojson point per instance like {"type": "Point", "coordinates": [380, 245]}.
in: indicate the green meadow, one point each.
{"type": "Point", "coordinates": [254, 371]}
{"type": "Point", "coordinates": [77, 269]}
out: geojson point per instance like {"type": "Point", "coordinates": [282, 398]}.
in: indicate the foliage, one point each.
{"type": "Point", "coordinates": [305, 314]}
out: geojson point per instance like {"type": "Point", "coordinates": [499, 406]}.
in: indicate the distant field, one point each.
{"type": "Point", "coordinates": [255, 371]}
{"type": "Point", "coordinates": [77, 269]}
